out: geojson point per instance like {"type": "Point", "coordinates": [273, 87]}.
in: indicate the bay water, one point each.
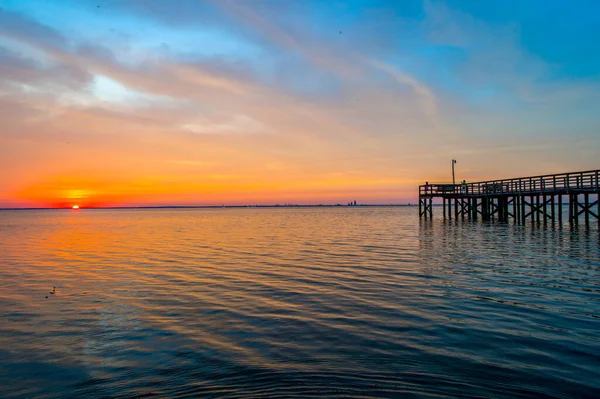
{"type": "Point", "coordinates": [337, 302]}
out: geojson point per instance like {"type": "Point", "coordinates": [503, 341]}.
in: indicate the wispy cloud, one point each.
{"type": "Point", "coordinates": [241, 124]}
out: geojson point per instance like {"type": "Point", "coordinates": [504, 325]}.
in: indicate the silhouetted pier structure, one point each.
{"type": "Point", "coordinates": [535, 198]}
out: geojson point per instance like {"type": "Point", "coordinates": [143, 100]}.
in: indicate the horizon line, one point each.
{"type": "Point", "coordinates": [207, 206]}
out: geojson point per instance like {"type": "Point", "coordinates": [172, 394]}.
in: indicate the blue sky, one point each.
{"type": "Point", "coordinates": [339, 97]}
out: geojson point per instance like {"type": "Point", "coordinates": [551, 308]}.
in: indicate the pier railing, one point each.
{"type": "Point", "coordinates": [562, 182]}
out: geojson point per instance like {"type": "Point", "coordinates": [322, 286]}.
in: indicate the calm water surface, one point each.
{"type": "Point", "coordinates": [274, 303]}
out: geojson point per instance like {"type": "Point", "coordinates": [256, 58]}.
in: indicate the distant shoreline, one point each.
{"type": "Point", "coordinates": [217, 207]}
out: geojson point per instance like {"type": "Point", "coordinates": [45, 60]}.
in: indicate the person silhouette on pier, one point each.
{"type": "Point", "coordinates": [426, 187]}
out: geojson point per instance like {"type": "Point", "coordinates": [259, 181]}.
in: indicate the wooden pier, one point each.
{"type": "Point", "coordinates": [536, 198]}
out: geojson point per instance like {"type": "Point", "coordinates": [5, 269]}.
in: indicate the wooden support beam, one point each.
{"type": "Point", "coordinates": [533, 209]}
{"type": "Point", "coordinates": [586, 199]}
{"type": "Point", "coordinates": [456, 208]}
{"type": "Point", "coordinates": [444, 206]}
{"type": "Point", "coordinates": [576, 208]}
{"type": "Point", "coordinates": [560, 209]}
{"type": "Point", "coordinates": [469, 207]}
{"type": "Point", "coordinates": [525, 213]}
{"type": "Point", "coordinates": [470, 210]}
{"type": "Point", "coordinates": [500, 210]}
{"type": "Point", "coordinates": [514, 206]}
{"type": "Point", "coordinates": [531, 204]}
{"type": "Point", "coordinates": [574, 201]}
{"type": "Point", "coordinates": [544, 208]}
{"type": "Point", "coordinates": [585, 209]}
{"type": "Point", "coordinates": [483, 211]}
{"type": "Point", "coordinates": [571, 208]}
{"type": "Point", "coordinates": [430, 208]}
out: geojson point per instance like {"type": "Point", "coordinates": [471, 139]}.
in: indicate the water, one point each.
{"type": "Point", "coordinates": [274, 303]}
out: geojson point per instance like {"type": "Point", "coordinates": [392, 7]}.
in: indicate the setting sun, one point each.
{"type": "Point", "coordinates": [75, 206]}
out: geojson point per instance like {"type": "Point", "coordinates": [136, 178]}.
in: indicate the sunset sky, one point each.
{"type": "Point", "coordinates": [157, 102]}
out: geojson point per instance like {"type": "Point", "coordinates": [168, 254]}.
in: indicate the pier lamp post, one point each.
{"type": "Point", "coordinates": [453, 179]}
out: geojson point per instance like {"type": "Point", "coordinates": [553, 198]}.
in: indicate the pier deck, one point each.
{"type": "Point", "coordinates": [538, 198]}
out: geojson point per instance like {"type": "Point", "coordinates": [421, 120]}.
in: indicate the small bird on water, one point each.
{"type": "Point", "coordinates": [53, 290]}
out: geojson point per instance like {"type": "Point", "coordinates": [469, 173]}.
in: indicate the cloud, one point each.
{"type": "Point", "coordinates": [495, 60]}
{"type": "Point", "coordinates": [241, 124]}
{"type": "Point", "coordinates": [25, 29]}
{"type": "Point", "coordinates": [424, 95]}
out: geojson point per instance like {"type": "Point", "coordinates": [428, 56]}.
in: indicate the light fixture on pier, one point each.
{"type": "Point", "coordinates": [453, 179]}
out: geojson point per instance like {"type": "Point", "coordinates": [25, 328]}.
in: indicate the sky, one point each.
{"type": "Point", "coordinates": [155, 102]}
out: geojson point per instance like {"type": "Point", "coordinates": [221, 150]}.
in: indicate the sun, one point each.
{"type": "Point", "coordinates": [75, 206]}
